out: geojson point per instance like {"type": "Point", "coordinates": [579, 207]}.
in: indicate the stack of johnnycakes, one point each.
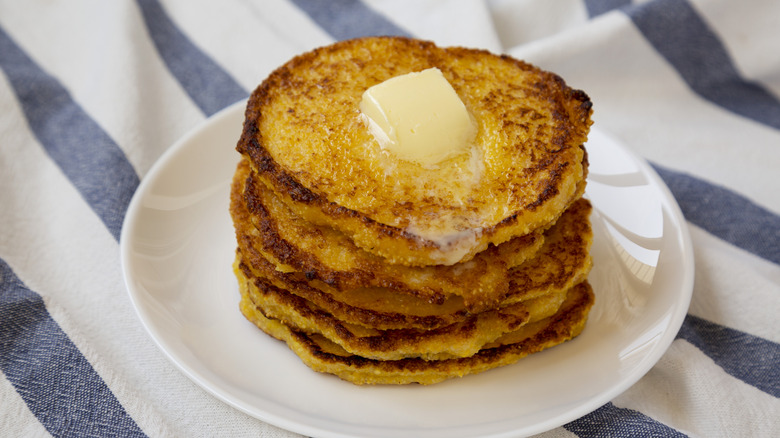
{"type": "Point", "coordinates": [383, 270]}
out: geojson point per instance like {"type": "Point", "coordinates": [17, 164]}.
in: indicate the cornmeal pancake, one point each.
{"type": "Point", "coordinates": [324, 356]}
{"type": "Point", "coordinates": [456, 340]}
{"type": "Point", "coordinates": [324, 254]}
{"type": "Point", "coordinates": [306, 140]}
{"type": "Point", "coordinates": [562, 261]}
{"type": "Point", "coordinates": [385, 308]}
{"type": "Point", "coordinates": [377, 308]}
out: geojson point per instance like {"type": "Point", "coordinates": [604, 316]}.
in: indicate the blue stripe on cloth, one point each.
{"type": "Point", "coordinates": [207, 84]}
{"type": "Point", "coordinates": [345, 19]}
{"type": "Point", "coordinates": [599, 7]}
{"type": "Point", "coordinates": [612, 421]}
{"type": "Point", "coordinates": [754, 360]}
{"type": "Point", "coordinates": [681, 36]}
{"type": "Point", "coordinates": [725, 214]}
{"type": "Point", "coordinates": [90, 159]}
{"type": "Point", "coordinates": [48, 371]}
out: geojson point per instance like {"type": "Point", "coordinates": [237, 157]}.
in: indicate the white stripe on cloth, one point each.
{"type": "Point", "coordinates": [451, 23]}
{"type": "Point", "coordinates": [117, 78]}
{"type": "Point", "coordinates": [686, 390]}
{"type": "Point", "coordinates": [735, 288]}
{"type": "Point", "coordinates": [17, 420]}
{"type": "Point", "coordinates": [559, 432]}
{"type": "Point", "coordinates": [250, 39]}
{"type": "Point", "coordinates": [525, 21]}
{"type": "Point", "coordinates": [749, 34]}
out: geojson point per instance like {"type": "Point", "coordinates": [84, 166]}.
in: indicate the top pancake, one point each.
{"type": "Point", "coordinates": [305, 139]}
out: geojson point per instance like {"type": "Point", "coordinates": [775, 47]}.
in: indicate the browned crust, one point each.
{"type": "Point", "coordinates": [570, 108]}
{"type": "Point", "coordinates": [565, 259]}
{"type": "Point", "coordinates": [566, 324]}
{"type": "Point", "coordinates": [356, 315]}
{"type": "Point", "coordinates": [457, 339]}
{"type": "Point", "coordinates": [488, 269]}
{"type": "Point", "coordinates": [243, 202]}
{"type": "Point", "coordinates": [289, 254]}
{"type": "Point", "coordinates": [562, 262]}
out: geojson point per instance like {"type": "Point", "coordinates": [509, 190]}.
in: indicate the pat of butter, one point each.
{"type": "Point", "coordinates": [418, 117]}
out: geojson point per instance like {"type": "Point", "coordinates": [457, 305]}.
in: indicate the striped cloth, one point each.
{"type": "Point", "coordinates": [92, 92]}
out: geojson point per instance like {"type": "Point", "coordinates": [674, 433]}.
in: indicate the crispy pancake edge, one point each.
{"type": "Point", "coordinates": [455, 340]}
{"type": "Point", "coordinates": [459, 339]}
{"type": "Point", "coordinates": [563, 326]}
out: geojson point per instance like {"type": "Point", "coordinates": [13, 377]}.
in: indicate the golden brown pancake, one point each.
{"type": "Point", "coordinates": [324, 254]}
{"type": "Point", "coordinates": [460, 339]}
{"type": "Point", "coordinates": [324, 356]}
{"type": "Point", "coordinates": [306, 142]}
{"type": "Point", "coordinates": [376, 308]}
{"type": "Point", "coordinates": [562, 261]}
{"type": "Point", "coordinates": [567, 263]}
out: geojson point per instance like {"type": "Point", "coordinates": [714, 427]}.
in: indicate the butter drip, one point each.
{"type": "Point", "coordinates": [418, 117]}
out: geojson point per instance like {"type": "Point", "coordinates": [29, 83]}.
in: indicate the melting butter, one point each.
{"type": "Point", "coordinates": [418, 117]}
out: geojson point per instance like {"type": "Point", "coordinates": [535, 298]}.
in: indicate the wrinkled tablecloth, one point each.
{"type": "Point", "coordinates": [93, 92]}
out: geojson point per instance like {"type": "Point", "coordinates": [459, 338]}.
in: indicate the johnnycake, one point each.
{"type": "Point", "coordinates": [525, 166]}
{"type": "Point", "coordinates": [324, 356]}
{"type": "Point", "coordinates": [562, 261]}
{"type": "Point", "coordinates": [327, 255]}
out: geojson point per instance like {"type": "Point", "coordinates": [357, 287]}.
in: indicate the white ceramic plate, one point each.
{"type": "Point", "coordinates": [178, 244]}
